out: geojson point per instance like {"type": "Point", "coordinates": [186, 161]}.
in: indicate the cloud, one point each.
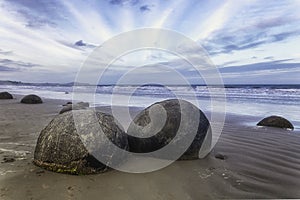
{"type": "Point", "coordinates": [32, 21]}
{"type": "Point", "coordinates": [168, 15]}
{"type": "Point", "coordinates": [90, 22]}
{"type": "Point", "coordinates": [80, 43]}
{"type": "Point", "coordinates": [257, 24]}
{"type": "Point", "coordinates": [124, 2]}
{"type": "Point", "coordinates": [145, 8]}
{"type": "Point", "coordinates": [269, 58]}
{"type": "Point", "coordinates": [37, 13]}
{"type": "Point", "coordinates": [39, 45]}
{"type": "Point", "coordinates": [223, 43]}
{"type": "Point", "coordinates": [218, 19]}
{"type": "Point", "coordinates": [3, 52]}
{"type": "Point", "coordinates": [267, 76]}
{"type": "Point", "coordinates": [234, 61]}
{"type": "Point", "coordinates": [263, 66]}
{"type": "Point", "coordinates": [54, 37]}
{"type": "Point", "coordinates": [272, 22]}
{"type": "Point", "coordinates": [282, 36]}
{"type": "Point", "coordinates": [11, 65]}
{"type": "Point", "coordinates": [7, 69]}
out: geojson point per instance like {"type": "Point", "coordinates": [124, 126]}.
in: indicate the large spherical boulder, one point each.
{"type": "Point", "coordinates": [158, 125]}
{"type": "Point", "coordinates": [68, 147]}
{"type": "Point", "coordinates": [32, 99]}
{"type": "Point", "coordinates": [5, 95]}
{"type": "Point", "coordinates": [77, 106]}
{"type": "Point", "coordinates": [276, 121]}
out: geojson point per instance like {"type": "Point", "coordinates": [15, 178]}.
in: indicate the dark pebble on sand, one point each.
{"type": "Point", "coordinates": [40, 172]}
{"type": "Point", "coordinates": [70, 188]}
{"type": "Point", "coordinates": [220, 156]}
{"type": "Point", "coordinates": [8, 159]}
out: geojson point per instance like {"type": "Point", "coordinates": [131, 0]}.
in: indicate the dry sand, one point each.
{"type": "Point", "coordinates": [261, 163]}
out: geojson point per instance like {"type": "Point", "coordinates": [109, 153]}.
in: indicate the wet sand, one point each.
{"type": "Point", "coordinates": [261, 163]}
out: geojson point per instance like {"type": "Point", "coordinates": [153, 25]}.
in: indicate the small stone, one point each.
{"type": "Point", "coordinates": [8, 159]}
{"type": "Point", "coordinates": [220, 156]}
{"type": "Point", "coordinates": [4, 189]}
{"type": "Point", "coordinates": [70, 188]}
{"type": "Point", "coordinates": [40, 172]}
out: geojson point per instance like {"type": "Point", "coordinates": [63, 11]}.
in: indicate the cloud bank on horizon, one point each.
{"type": "Point", "coordinates": [249, 41]}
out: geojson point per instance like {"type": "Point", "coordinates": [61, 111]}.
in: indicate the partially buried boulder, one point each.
{"type": "Point", "coordinates": [31, 99]}
{"type": "Point", "coordinates": [78, 106]}
{"type": "Point", "coordinates": [68, 103]}
{"type": "Point", "coordinates": [276, 121]}
{"type": "Point", "coordinates": [5, 95]}
{"type": "Point", "coordinates": [176, 123]}
{"type": "Point", "coordinates": [68, 147]}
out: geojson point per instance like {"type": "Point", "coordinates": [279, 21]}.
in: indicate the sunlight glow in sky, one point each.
{"type": "Point", "coordinates": [250, 41]}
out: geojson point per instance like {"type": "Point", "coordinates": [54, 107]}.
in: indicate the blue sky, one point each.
{"type": "Point", "coordinates": [249, 41]}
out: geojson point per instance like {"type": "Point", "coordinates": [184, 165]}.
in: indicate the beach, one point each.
{"type": "Point", "coordinates": [260, 163]}
{"type": "Point", "coordinates": [149, 100]}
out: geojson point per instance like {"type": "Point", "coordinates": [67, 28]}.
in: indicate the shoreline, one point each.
{"type": "Point", "coordinates": [261, 162]}
{"type": "Point", "coordinates": [231, 110]}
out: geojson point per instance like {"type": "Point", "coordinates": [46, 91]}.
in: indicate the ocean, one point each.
{"type": "Point", "coordinates": [251, 100]}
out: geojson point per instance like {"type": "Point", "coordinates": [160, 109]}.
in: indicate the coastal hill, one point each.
{"type": "Point", "coordinates": [7, 82]}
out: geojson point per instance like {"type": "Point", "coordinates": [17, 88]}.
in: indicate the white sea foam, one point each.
{"type": "Point", "coordinates": [17, 153]}
{"type": "Point", "coordinates": [246, 100]}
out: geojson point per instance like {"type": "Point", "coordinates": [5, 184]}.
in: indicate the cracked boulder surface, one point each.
{"type": "Point", "coordinates": [171, 123]}
{"type": "Point", "coordinates": [72, 143]}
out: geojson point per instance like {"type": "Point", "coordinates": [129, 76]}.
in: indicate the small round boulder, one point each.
{"type": "Point", "coordinates": [31, 99]}
{"type": "Point", "coordinates": [68, 103]}
{"type": "Point", "coordinates": [77, 106]}
{"type": "Point", "coordinates": [5, 95]}
{"type": "Point", "coordinates": [71, 143]}
{"type": "Point", "coordinates": [171, 122]}
{"type": "Point", "coordinates": [276, 121]}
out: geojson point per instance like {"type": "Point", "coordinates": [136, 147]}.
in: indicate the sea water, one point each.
{"type": "Point", "coordinates": [251, 100]}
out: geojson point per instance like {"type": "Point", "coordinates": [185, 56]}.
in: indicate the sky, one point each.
{"type": "Point", "coordinates": [250, 42]}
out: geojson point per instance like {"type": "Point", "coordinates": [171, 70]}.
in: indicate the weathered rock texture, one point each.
{"type": "Point", "coordinates": [276, 121]}
{"type": "Point", "coordinates": [31, 99]}
{"type": "Point", "coordinates": [5, 95]}
{"type": "Point", "coordinates": [157, 126]}
{"type": "Point", "coordinates": [69, 147]}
